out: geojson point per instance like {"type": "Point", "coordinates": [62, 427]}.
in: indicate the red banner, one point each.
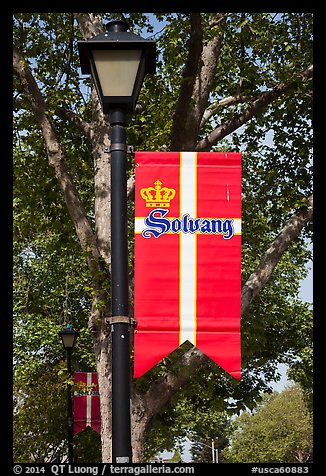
{"type": "Point", "coordinates": [188, 256]}
{"type": "Point", "coordinates": [86, 402]}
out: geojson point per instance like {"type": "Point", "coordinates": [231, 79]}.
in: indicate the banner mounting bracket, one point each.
{"type": "Point", "coordinates": [129, 149]}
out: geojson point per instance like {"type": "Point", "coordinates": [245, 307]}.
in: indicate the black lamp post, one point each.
{"type": "Point", "coordinates": [68, 336]}
{"type": "Point", "coordinates": [118, 61]}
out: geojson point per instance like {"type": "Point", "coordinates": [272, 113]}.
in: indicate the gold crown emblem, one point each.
{"type": "Point", "coordinates": [158, 196]}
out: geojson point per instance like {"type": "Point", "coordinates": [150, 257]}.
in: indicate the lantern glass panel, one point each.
{"type": "Point", "coordinates": [68, 340]}
{"type": "Point", "coordinates": [117, 70]}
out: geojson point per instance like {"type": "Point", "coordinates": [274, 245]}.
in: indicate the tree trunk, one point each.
{"type": "Point", "coordinates": [139, 427]}
{"type": "Point", "coordinates": [141, 409]}
{"type": "Point", "coordinates": [102, 351]}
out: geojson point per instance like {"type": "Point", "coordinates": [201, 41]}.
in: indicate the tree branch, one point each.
{"type": "Point", "coordinates": [162, 390]}
{"type": "Point", "coordinates": [264, 270]}
{"type": "Point", "coordinates": [258, 105]}
{"type": "Point", "coordinates": [186, 125]}
{"type": "Point", "coordinates": [188, 75]}
{"type": "Point", "coordinates": [226, 102]}
{"type": "Point", "coordinates": [85, 127]}
{"type": "Point", "coordinates": [56, 159]}
{"type": "Point", "coordinates": [89, 24]}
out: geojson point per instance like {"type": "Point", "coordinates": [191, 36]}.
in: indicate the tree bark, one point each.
{"type": "Point", "coordinates": [102, 179]}
{"type": "Point", "coordinates": [181, 127]}
{"type": "Point", "coordinates": [196, 84]}
{"type": "Point", "coordinates": [102, 351]}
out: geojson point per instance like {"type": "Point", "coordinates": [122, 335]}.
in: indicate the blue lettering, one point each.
{"type": "Point", "coordinates": [228, 228]}
{"type": "Point", "coordinates": [217, 225]}
{"type": "Point", "coordinates": [176, 225]}
{"type": "Point", "coordinates": [159, 224]}
{"type": "Point", "coordinates": [185, 223]}
{"type": "Point", "coordinates": [205, 226]}
{"type": "Point", "coordinates": [194, 224]}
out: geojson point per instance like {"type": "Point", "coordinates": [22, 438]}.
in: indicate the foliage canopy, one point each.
{"type": "Point", "coordinates": [257, 99]}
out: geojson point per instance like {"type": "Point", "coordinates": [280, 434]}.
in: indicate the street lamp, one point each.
{"type": "Point", "coordinates": [68, 336]}
{"type": "Point", "coordinates": [214, 451]}
{"type": "Point", "coordinates": [118, 61]}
